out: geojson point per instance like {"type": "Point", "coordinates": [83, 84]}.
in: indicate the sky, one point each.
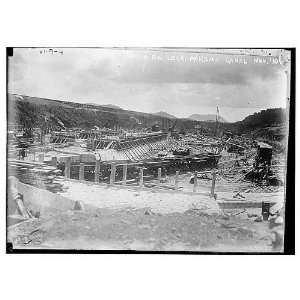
{"type": "Point", "coordinates": [179, 82]}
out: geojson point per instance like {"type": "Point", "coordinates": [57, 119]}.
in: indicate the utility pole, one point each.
{"type": "Point", "coordinates": [217, 121]}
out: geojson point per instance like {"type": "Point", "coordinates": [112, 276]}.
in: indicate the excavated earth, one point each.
{"type": "Point", "coordinates": [143, 229]}
{"type": "Point", "coordinates": [127, 220]}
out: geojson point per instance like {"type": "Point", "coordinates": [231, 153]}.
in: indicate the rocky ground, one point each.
{"type": "Point", "coordinates": [143, 229]}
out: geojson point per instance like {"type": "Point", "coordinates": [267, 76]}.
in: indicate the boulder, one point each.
{"type": "Point", "coordinates": [277, 239]}
{"type": "Point", "coordinates": [258, 219]}
{"type": "Point", "coordinates": [78, 205]}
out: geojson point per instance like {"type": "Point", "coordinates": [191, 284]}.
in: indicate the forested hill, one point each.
{"type": "Point", "coordinates": [264, 118]}
{"type": "Point", "coordinates": [54, 114]}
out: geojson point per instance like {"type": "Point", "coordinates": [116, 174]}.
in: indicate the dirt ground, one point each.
{"type": "Point", "coordinates": [153, 220]}
{"type": "Point", "coordinates": [143, 229]}
{"type": "Point", "coordinates": [124, 219]}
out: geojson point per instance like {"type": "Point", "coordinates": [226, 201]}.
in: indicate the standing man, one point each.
{"type": "Point", "coordinates": [23, 153]}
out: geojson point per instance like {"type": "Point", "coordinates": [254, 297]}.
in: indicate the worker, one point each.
{"type": "Point", "coordinates": [23, 153]}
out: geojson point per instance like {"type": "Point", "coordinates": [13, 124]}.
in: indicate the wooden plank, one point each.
{"type": "Point", "coordinates": [68, 167]}
{"type": "Point", "coordinates": [81, 171]}
{"type": "Point", "coordinates": [112, 173]}
{"type": "Point", "coordinates": [241, 204]}
{"type": "Point", "coordinates": [131, 154]}
{"type": "Point", "coordinates": [195, 183]}
{"type": "Point", "coordinates": [97, 170]}
{"type": "Point", "coordinates": [159, 176]}
{"type": "Point", "coordinates": [176, 180]}
{"type": "Point", "coordinates": [141, 178]}
{"type": "Point", "coordinates": [41, 157]}
{"type": "Point", "coordinates": [136, 155]}
{"type": "Point", "coordinates": [213, 184]}
{"type": "Point", "coordinates": [124, 174]}
{"type": "Point", "coordinates": [54, 161]}
{"type": "Point", "coordinates": [127, 181]}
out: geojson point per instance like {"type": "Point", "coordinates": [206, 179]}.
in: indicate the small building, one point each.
{"type": "Point", "coordinates": [264, 153]}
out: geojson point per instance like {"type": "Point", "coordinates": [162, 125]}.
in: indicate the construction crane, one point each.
{"type": "Point", "coordinates": [217, 122]}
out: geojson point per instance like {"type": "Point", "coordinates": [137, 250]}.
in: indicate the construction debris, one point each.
{"type": "Point", "coordinates": [153, 160]}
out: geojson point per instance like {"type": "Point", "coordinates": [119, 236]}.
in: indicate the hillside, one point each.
{"type": "Point", "coordinates": [111, 106]}
{"type": "Point", "coordinates": [265, 118]}
{"type": "Point", "coordinates": [206, 118]}
{"type": "Point", "coordinates": [270, 124]}
{"type": "Point", "coordinates": [165, 115]}
{"type": "Point", "coordinates": [55, 114]}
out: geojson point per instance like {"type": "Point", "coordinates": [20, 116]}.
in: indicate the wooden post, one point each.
{"type": "Point", "coordinates": [176, 180]}
{"type": "Point", "coordinates": [213, 184]}
{"type": "Point", "coordinates": [112, 173]}
{"type": "Point", "coordinates": [97, 170]}
{"type": "Point", "coordinates": [159, 176]}
{"type": "Point", "coordinates": [81, 171]}
{"type": "Point", "coordinates": [265, 210]}
{"type": "Point", "coordinates": [124, 174]}
{"type": "Point", "coordinates": [68, 167]}
{"type": "Point", "coordinates": [195, 183]}
{"type": "Point", "coordinates": [141, 177]}
{"type": "Point", "coordinates": [41, 157]}
{"type": "Point", "coordinates": [54, 161]}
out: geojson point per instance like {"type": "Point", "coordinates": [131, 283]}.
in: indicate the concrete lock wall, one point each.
{"type": "Point", "coordinates": [77, 158]}
{"type": "Point", "coordinates": [41, 200]}
{"type": "Point", "coordinates": [74, 159]}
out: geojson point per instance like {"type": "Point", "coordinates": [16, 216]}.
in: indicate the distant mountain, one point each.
{"type": "Point", "coordinates": [111, 106]}
{"type": "Point", "coordinates": [104, 105]}
{"type": "Point", "coordinates": [165, 115]}
{"type": "Point", "coordinates": [206, 118]}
